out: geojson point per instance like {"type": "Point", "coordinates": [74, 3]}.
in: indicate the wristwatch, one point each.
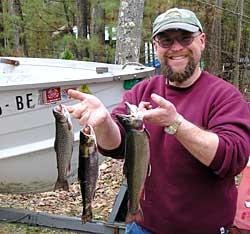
{"type": "Point", "coordinates": [172, 128]}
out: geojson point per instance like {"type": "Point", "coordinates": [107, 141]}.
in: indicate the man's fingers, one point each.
{"type": "Point", "coordinates": [144, 105]}
{"type": "Point", "coordinates": [77, 109]}
{"type": "Point", "coordinates": [84, 118]}
{"type": "Point", "coordinates": [159, 100]}
{"type": "Point", "coordinates": [75, 94]}
{"type": "Point", "coordinates": [70, 109]}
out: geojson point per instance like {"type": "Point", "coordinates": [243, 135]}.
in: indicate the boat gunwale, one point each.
{"type": "Point", "coordinates": [31, 147]}
{"type": "Point", "coordinates": [129, 73]}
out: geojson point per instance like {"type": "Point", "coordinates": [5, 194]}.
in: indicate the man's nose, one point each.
{"type": "Point", "coordinates": [176, 45]}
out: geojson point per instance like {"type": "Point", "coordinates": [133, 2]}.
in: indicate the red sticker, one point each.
{"type": "Point", "coordinates": [51, 95]}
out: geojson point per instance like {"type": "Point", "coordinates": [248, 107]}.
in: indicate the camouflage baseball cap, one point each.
{"type": "Point", "coordinates": [176, 18]}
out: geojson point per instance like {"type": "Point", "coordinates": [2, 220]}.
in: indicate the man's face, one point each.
{"type": "Point", "coordinates": [179, 52]}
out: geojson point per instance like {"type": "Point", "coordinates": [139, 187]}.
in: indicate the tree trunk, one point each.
{"type": "Point", "coordinates": [83, 17]}
{"type": "Point", "coordinates": [97, 32]}
{"type": "Point", "coordinates": [237, 54]}
{"type": "Point", "coordinates": [129, 31]}
{"type": "Point", "coordinates": [1, 25]}
{"type": "Point", "coordinates": [66, 11]}
{"type": "Point", "coordinates": [20, 42]}
{"type": "Point", "coordinates": [215, 50]}
{"type": "Point", "coordinates": [83, 24]}
{"type": "Point", "coordinates": [208, 24]}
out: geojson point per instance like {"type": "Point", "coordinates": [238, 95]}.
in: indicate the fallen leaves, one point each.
{"type": "Point", "coordinates": [70, 203]}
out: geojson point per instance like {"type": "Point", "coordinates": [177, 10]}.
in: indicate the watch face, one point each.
{"type": "Point", "coordinates": [170, 129]}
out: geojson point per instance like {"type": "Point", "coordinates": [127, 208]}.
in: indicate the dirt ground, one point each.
{"type": "Point", "coordinates": [67, 203]}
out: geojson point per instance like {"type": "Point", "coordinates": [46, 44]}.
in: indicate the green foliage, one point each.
{"type": "Point", "coordinates": [41, 19]}
{"type": "Point", "coordinates": [66, 54]}
{"type": "Point", "coordinates": [111, 8]}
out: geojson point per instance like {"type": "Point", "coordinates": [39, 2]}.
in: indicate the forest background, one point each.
{"type": "Point", "coordinates": [86, 30]}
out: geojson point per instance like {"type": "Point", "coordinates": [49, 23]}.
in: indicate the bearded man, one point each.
{"type": "Point", "coordinates": [199, 128]}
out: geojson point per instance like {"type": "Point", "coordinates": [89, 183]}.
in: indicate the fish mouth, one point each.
{"type": "Point", "coordinates": [88, 130]}
{"type": "Point", "coordinates": [134, 111]}
{"type": "Point", "coordinates": [58, 108]}
{"type": "Point", "coordinates": [131, 108]}
{"type": "Point", "coordinates": [130, 122]}
{"type": "Point", "coordinates": [62, 114]}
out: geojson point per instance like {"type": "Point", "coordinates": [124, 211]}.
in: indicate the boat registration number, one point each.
{"type": "Point", "coordinates": [20, 101]}
{"type": "Point", "coordinates": [11, 103]}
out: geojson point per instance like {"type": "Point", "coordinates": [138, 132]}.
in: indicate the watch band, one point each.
{"type": "Point", "coordinates": [172, 128]}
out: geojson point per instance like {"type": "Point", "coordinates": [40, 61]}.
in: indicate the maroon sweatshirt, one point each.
{"type": "Point", "coordinates": [182, 195]}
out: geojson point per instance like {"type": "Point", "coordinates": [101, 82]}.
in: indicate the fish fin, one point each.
{"type": "Point", "coordinates": [66, 185]}
{"type": "Point", "coordinates": [125, 168]}
{"type": "Point", "coordinates": [62, 184]}
{"type": "Point", "coordinates": [70, 126]}
{"type": "Point", "coordinates": [55, 146]}
{"type": "Point", "coordinates": [94, 192]}
{"type": "Point", "coordinates": [134, 217]}
{"type": "Point", "coordinates": [69, 168]}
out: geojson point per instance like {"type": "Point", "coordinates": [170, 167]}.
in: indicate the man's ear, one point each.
{"type": "Point", "coordinates": [203, 40]}
{"type": "Point", "coordinates": [155, 45]}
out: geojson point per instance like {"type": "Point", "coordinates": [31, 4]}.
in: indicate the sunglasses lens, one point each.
{"type": "Point", "coordinates": [167, 42]}
{"type": "Point", "coordinates": [185, 40]}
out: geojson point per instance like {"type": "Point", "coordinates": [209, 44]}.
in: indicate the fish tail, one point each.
{"type": "Point", "coordinates": [134, 217]}
{"type": "Point", "coordinates": [62, 184]}
{"type": "Point", "coordinates": [87, 215]}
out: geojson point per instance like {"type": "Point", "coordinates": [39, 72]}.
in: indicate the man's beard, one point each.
{"type": "Point", "coordinates": [179, 77]}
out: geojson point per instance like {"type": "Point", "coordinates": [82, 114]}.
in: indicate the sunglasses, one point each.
{"type": "Point", "coordinates": [184, 40]}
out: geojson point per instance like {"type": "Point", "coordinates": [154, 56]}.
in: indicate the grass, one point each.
{"type": "Point", "coordinates": [13, 228]}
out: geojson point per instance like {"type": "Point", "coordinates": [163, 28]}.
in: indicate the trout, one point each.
{"type": "Point", "coordinates": [87, 170]}
{"type": "Point", "coordinates": [63, 145]}
{"type": "Point", "coordinates": [136, 160]}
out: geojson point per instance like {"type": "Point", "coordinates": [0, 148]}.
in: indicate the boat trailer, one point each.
{"type": "Point", "coordinates": [114, 225]}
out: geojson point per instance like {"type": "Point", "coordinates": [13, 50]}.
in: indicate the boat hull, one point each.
{"type": "Point", "coordinates": [28, 159]}
{"type": "Point", "coordinates": [27, 156]}
{"type": "Point", "coordinates": [33, 171]}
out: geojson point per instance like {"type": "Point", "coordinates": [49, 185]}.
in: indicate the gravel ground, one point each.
{"type": "Point", "coordinates": [67, 203]}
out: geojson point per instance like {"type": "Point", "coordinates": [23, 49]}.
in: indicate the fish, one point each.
{"type": "Point", "coordinates": [88, 169]}
{"type": "Point", "coordinates": [137, 156]}
{"type": "Point", "coordinates": [63, 145]}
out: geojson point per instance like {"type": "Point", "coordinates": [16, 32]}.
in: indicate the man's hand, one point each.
{"type": "Point", "coordinates": [163, 115]}
{"type": "Point", "coordinates": [90, 110]}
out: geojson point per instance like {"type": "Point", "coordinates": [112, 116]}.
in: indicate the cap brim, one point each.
{"type": "Point", "coordinates": [183, 26]}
